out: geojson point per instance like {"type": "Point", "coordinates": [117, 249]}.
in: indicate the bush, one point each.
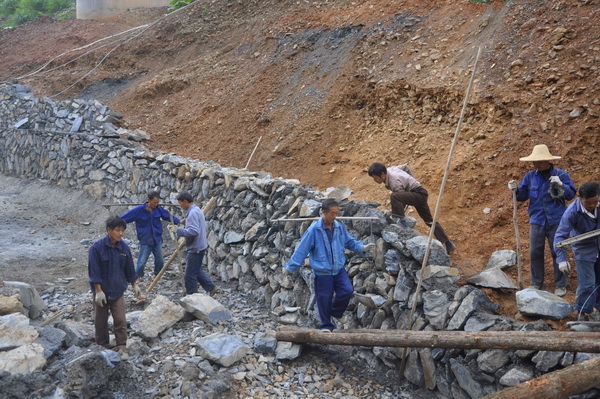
{"type": "Point", "coordinates": [177, 4]}
{"type": "Point", "coordinates": [8, 7]}
{"type": "Point", "coordinates": [20, 11]}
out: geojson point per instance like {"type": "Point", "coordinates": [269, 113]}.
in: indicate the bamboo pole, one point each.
{"type": "Point", "coordinates": [518, 239]}
{"type": "Point", "coordinates": [205, 210]}
{"type": "Point", "coordinates": [558, 384]}
{"type": "Point", "coordinates": [254, 150]}
{"type": "Point", "coordinates": [438, 205]}
{"type": "Point", "coordinates": [181, 276]}
{"type": "Point", "coordinates": [508, 340]}
{"type": "Point", "coordinates": [317, 218]}
{"type": "Point", "coordinates": [131, 204]}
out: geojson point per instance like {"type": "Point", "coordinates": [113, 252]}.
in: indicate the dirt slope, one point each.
{"type": "Point", "coordinates": [332, 86]}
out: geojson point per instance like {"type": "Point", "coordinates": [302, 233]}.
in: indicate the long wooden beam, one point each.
{"type": "Point", "coordinates": [558, 384]}
{"type": "Point", "coordinates": [509, 340]}
{"type": "Point", "coordinates": [317, 218]}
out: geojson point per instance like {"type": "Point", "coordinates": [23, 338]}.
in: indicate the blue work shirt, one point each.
{"type": "Point", "coordinates": [543, 209]}
{"type": "Point", "coordinates": [112, 267]}
{"type": "Point", "coordinates": [573, 223]}
{"type": "Point", "coordinates": [148, 225]}
{"type": "Point", "coordinates": [326, 258]}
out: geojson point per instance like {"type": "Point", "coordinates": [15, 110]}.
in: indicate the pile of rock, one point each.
{"type": "Point", "coordinates": [20, 109]}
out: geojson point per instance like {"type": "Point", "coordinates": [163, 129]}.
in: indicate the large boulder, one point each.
{"type": "Point", "coordinates": [160, 315]}
{"type": "Point", "coordinates": [205, 308]}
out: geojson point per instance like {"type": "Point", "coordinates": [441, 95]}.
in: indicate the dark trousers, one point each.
{"type": "Point", "coordinates": [587, 296]}
{"type": "Point", "coordinates": [538, 235]}
{"type": "Point", "coordinates": [195, 275]}
{"type": "Point", "coordinates": [117, 310]}
{"type": "Point", "coordinates": [325, 288]}
{"type": "Point", "coordinates": [418, 199]}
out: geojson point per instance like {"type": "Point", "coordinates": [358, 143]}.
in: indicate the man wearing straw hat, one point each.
{"type": "Point", "coordinates": [548, 189]}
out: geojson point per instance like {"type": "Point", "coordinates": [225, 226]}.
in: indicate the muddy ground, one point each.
{"type": "Point", "coordinates": [331, 86]}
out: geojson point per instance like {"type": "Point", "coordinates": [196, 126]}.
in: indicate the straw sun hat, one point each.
{"type": "Point", "coordinates": [540, 153]}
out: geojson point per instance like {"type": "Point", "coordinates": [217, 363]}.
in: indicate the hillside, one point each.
{"type": "Point", "coordinates": [332, 86]}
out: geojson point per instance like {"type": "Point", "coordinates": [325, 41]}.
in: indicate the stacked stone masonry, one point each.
{"type": "Point", "coordinates": [247, 249]}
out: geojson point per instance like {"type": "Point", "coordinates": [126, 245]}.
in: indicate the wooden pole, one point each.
{"type": "Point", "coordinates": [181, 276]}
{"type": "Point", "coordinates": [508, 340]}
{"type": "Point", "coordinates": [558, 384]}
{"type": "Point", "coordinates": [128, 204]}
{"type": "Point", "coordinates": [317, 218]}
{"type": "Point", "coordinates": [438, 205]}
{"type": "Point", "coordinates": [205, 210]}
{"type": "Point", "coordinates": [518, 236]}
{"type": "Point", "coordinates": [251, 155]}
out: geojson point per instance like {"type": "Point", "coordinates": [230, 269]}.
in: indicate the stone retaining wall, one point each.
{"type": "Point", "coordinates": [248, 249]}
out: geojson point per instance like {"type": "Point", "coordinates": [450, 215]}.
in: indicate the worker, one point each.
{"type": "Point", "coordinates": [110, 268]}
{"type": "Point", "coordinates": [579, 218]}
{"type": "Point", "coordinates": [548, 189]}
{"type": "Point", "coordinates": [406, 190]}
{"type": "Point", "coordinates": [194, 233]}
{"type": "Point", "coordinates": [325, 241]}
{"type": "Point", "coordinates": [148, 225]}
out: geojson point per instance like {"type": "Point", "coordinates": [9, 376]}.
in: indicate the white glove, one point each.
{"type": "Point", "coordinates": [369, 248]}
{"type": "Point", "coordinates": [173, 229]}
{"type": "Point", "coordinates": [564, 267]}
{"type": "Point", "coordinates": [512, 185]}
{"type": "Point", "coordinates": [137, 291]}
{"type": "Point", "coordinates": [100, 299]}
{"type": "Point", "coordinates": [555, 179]}
{"type": "Point", "coordinates": [181, 241]}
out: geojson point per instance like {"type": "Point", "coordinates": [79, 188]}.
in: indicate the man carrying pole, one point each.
{"type": "Point", "coordinates": [582, 217]}
{"type": "Point", "coordinates": [148, 225]}
{"type": "Point", "coordinates": [194, 233]}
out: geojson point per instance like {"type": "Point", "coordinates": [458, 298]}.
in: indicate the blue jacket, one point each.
{"type": "Point", "coordinates": [148, 225]}
{"type": "Point", "coordinates": [573, 223]}
{"type": "Point", "coordinates": [111, 267]}
{"type": "Point", "coordinates": [325, 259]}
{"type": "Point", "coordinates": [543, 209]}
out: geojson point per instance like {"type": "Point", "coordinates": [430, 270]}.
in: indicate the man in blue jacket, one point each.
{"type": "Point", "coordinates": [582, 217]}
{"type": "Point", "coordinates": [325, 241]}
{"type": "Point", "coordinates": [548, 189]}
{"type": "Point", "coordinates": [110, 268]}
{"type": "Point", "coordinates": [148, 225]}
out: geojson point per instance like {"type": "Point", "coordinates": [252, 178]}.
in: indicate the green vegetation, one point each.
{"type": "Point", "coordinates": [177, 4]}
{"type": "Point", "coordinates": [17, 12]}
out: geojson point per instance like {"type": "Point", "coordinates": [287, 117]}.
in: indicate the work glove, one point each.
{"type": "Point", "coordinates": [181, 241]}
{"type": "Point", "coordinates": [173, 229]}
{"type": "Point", "coordinates": [285, 271]}
{"type": "Point", "coordinates": [555, 179]}
{"type": "Point", "coordinates": [512, 185]}
{"type": "Point", "coordinates": [564, 267]}
{"type": "Point", "coordinates": [368, 249]}
{"type": "Point", "coordinates": [100, 299]}
{"type": "Point", "coordinates": [137, 291]}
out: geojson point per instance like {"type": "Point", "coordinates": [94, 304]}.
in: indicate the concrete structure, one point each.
{"type": "Point", "coordinates": [94, 9]}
